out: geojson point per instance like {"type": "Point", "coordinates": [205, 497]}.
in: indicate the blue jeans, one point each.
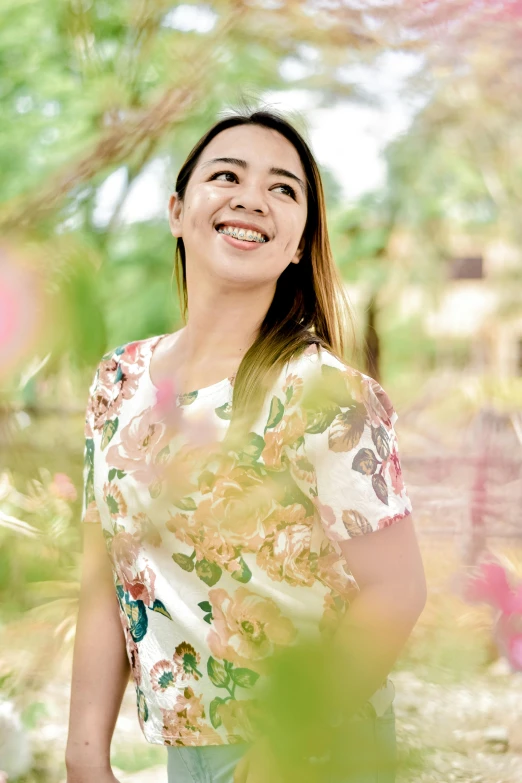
{"type": "Point", "coordinates": [374, 739]}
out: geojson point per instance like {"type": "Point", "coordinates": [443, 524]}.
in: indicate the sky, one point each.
{"type": "Point", "coordinates": [348, 138]}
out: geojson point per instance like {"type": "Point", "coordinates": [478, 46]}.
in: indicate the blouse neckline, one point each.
{"type": "Point", "coordinates": [204, 391]}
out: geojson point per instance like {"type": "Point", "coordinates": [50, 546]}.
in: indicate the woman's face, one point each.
{"type": "Point", "coordinates": [261, 185]}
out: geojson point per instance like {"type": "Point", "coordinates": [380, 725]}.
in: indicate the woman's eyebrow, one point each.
{"type": "Point", "coordinates": [243, 164]}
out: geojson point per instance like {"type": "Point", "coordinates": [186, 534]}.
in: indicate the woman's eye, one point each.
{"type": "Point", "coordinates": [223, 173]}
{"type": "Point", "coordinates": [289, 190]}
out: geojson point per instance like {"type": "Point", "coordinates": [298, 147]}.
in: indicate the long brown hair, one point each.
{"type": "Point", "coordinates": [309, 304]}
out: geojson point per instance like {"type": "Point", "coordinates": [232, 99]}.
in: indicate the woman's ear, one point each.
{"type": "Point", "coordinates": [299, 252]}
{"type": "Point", "coordinates": [175, 214]}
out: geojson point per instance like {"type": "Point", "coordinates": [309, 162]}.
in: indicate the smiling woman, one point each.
{"type": "Point", "coordinates": [233, 472]}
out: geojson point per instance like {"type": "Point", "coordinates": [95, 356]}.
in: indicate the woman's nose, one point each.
{"type": "Point", "coordinates": [249, 197]}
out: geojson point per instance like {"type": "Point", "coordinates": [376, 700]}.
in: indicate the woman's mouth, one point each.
{"type": "Point", "coordinates": [243, 235]}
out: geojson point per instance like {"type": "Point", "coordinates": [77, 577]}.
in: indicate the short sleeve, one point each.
{"type": "Point", "coordinates": [351, 442]}
{"type": "Point", "coordinates": [89, 513]}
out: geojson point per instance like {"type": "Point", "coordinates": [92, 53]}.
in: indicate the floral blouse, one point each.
{"type": "Point", "coordinates": [222, 557]}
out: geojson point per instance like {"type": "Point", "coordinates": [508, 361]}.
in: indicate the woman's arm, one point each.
{"type": "Point", "coordinates": [100, 667]}
{"type": "Point", "coordinates": [388, 569]}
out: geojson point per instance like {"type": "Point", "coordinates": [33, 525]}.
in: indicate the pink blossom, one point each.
{"type": "Point", "coordinates": [515, 651]}
{"type": "Point", "coordinates": [490, 585]}
{"type": "Point", "coordinates": [62, 487]}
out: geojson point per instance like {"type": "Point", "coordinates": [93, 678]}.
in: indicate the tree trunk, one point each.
{"type": "Point", "coordinates": [372, 342]}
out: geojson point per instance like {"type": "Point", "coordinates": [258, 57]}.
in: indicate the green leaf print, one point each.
{"type": "Point", "coordinates": [108, 537]}
{"type": "Point", "coordinates": [381, 441]}
{"type": "Point", "coordinates": [336, 385]}
{"type": "Point", "coordinates": [224, 411]}
{"type": "Point", "coordinates": [89, 463]}
{"type": "Point", "coordinates": [111, 474]}
{"type": "Point", "coordinates": [143, 710]}
{"type": "Point", "coordinates": [380, 488]}
{"type": "Point", "coordinates": [215, 718]}
{"type": "Point", "coordinates": [186, 504]}
{"type": "Point", "coordinates": [243, 575]}
{"type": "Point", "coordinates": [206, 481]}
{"type": "Point", "coordinates": [135, 613]}
{"type": "Point", "coordinates": [184, 561]}
{"type": "Point", "coordinates": [319, 419]}
{"type": "Point", "coordinates": [356, 524]}
{"type": "Point", "coordinates": [208, 572]}
{"type": "Point", "coordinates": [159, 607]}
{"type": "Point", "coordinates": [206, 606]}
{"type": "Point", "coordinates": [208, 618]}
{"type": "Point", "coordinates": [254, 447]}
{"type": "Point", "coordinates": [89, 487]}
{"type": "Point", "coordinates": [245, 678]}
{"type": "Point", "coordinates": [89, 452]}
{"type": "Point", "coordinates": [162, 456]}
{"type": "Point", "coordinates": [347, 429]}
{"type": "Point", "coordinates": [275, 414]}
{"type": "Point", "coordinates": [108, 432]}
{"type": "Point", "coordinates": [188, 399]}
{"type": "Point", "coordinates": [288, 492]}
{"type": "Point", "coordinates": [155, 488]}
{"type": "Point", "coordinates": [365, 462]}
{"type": "Point", "coordinates": [217, 673]}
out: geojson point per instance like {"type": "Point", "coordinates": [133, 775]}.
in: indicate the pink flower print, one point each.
{"type": "Point", "coordinates": [247, 628]}
{"type": "Point", "coordinates": [137, 581]}
{"type": "Point", "coordinates": [387, 521]}
{"type": "Point", "coordinates": [236, 716]}
{"type": "Point", "coordinates": [303, 469]}
{"type": "Point", "coordinates": [289, 429]}
{"type": "Point", "coordinates": [133, 655]}
{"type": "Point", "coordinates": [186, 661]}
{"type": "Point", "coordinates": [139, 451]}
{"type": "Point", "coordinates": [142, 589]}
{"type": "Point", "coordinates": [328, 520]}
{"type": "Point", "coordinates": [377, 402]}
{"type": "Point", "coordinates": [208, 542]}
{"type": "Point", "coordinates": [146, 531]}
{"type": "Point", "coordinates": [330, 618]}
{"type": "Point", "coordinates": [293, 389]}
{"type": "Point", "coordinates": [131, 365]}
{"type": "Point", "coordinates": [162, 676]}
{"type": "Point", "coordinates": [330, 570]}
{"type": "Point", "coordinates": [125, 550]}
{"type": "Point", "coordinates": [115, 500]}
{"type": "Point", "coordinates": [285, 555]}
{"type": "Point", "coordinates": [235, 511]}
{"type": "Point", "coordinates": [183, 720]}
{"type": "Point", "coordinates": [395, 471]}
{"type": "Point", "coordinates": [62, 487]}
{"type": "Point", "coordinates": [92, 515]}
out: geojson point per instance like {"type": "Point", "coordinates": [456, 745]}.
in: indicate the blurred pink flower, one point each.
{"type": "Point", "coordinates": [21, 309]}
{"type": "Point", "coordinates": [490, 585]}
{"type": "Point", "coordinates": [515, 652]}
{"type": "Point", "coordinates": [166, 396]}
{"type": "Point", "coordinates": [62, 487]}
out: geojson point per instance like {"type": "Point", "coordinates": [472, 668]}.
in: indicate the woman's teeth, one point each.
{"type": "Point", "coordinates": [242, 233]}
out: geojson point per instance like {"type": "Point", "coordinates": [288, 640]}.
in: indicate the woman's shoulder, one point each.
{"type": "Point", "coordinates": [117, 378]}
{"type": "Point", "coordinates": [326, 376]}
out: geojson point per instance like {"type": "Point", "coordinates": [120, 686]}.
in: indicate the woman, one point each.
{"type": "Point", "coordinates": [233, 471]}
